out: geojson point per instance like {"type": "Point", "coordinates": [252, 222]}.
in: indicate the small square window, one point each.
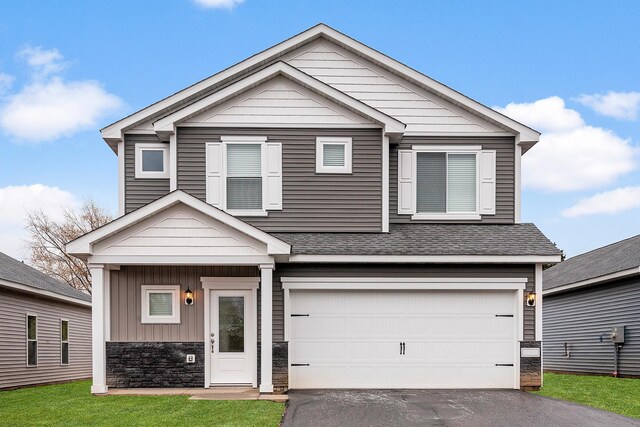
{"type": "Point", "coordinates": [333, 155]}
{"type": "Point", "coordinates": [160, 304]}
{"type": "Point", "coordinates": [152, 160]}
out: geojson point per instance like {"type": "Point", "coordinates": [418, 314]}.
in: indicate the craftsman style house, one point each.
{"type": "Point", "coordinates": [317, 216]}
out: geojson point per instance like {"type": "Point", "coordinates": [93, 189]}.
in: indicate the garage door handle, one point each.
{"type": "Point", "coordinates": [504, 315]}
{"type": "Point", "coordinates": [299, 315]}
{"type": "Point", "coordinates": [504, 364]}
{"type": "Point", "coordinates": [402, 347]}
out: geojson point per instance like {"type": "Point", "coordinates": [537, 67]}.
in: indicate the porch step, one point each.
{"type": "Point", "coordinates": [213, 393]}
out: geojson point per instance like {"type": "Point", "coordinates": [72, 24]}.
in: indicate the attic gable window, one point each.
{"type": "Point", "coordinates": [152, 160]}
{"type": "Point", "coordinates": [333, 155]}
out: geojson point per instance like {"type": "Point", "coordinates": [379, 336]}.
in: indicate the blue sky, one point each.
{"type": "Point", "coordinates": [570, 69]}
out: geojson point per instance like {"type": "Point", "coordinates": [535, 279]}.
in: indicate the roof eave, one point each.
{"type": "Point", "coordinates": [593, 281]}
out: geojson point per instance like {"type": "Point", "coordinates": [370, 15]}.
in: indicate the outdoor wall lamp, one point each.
{"type": "Point", "coordinates": [531, 299]}
{"type": "Point", "coordinates": [188, 297]}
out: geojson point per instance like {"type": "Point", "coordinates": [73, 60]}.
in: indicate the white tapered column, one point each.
{"type": "Point", "coordinates": [266, 320]}
{"type": "Point", "coordinates": [99, 281]}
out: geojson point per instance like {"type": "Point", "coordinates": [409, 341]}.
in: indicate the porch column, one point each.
{"type": "Point", "coordinates": [99, 282]}
{"type": "Point", "coordinates": [266, 339]}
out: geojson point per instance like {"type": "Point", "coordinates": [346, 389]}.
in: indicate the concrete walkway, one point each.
{"type": "Point", "coordinates": [213, 393]}
{"type": "Point", "coordinates": [508, 408]}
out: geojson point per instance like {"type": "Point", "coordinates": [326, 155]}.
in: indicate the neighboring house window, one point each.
{"type": "Point", "coordinates": [333, 155]}
{"type": "Point", "coordinates": [446, 183]}
{"type": "Point", "coordinates": [64, 342]}
{"type": "Point", "coordinates": [244, 175]}
{"type": "Point", "coordinates": [152, 160]}
{"type": "Point", "coordinates": [32, 340]}
{"type": "Point", "coordinates": [160, 304]}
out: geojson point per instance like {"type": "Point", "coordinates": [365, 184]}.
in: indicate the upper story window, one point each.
{"type": "Point", "coordinates": [244, 175]}
{"type": "Point", "coordinates": [160, 304]}
{"type": "Point", "coordinates": [333, 155]}
{"type": "Point", "coordinates": [152, 160]}
{"type": "Point", "coordinates": [446, 183]}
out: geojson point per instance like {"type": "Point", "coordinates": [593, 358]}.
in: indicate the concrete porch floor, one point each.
{"type": "Point", "coordinates": [213, 393]}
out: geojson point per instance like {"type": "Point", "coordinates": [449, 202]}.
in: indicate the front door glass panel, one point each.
{"type": "Point", "coordinates": [231, 324]}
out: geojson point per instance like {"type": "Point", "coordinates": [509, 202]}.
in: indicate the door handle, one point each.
{"type": "Point", "coordinates": [212, 342]}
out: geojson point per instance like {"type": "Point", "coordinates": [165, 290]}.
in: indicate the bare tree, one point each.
{"type": "Point", "coordinates": [48, 237]}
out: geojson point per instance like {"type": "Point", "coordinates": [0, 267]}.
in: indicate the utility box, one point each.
{"type": "Point", "coordinates": [617, 334]}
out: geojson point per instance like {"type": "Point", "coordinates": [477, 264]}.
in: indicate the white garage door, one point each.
{"type": "Point", "coordinates": [402, 339]}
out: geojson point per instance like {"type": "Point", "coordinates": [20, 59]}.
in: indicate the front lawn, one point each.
{"type": "Point", "coordinates": [72, 404]}
{"type": "Point", "coordinates": [621, 395]}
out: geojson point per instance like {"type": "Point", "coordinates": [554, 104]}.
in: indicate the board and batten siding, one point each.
{"type": "Point", "coordinates": [505, 177]}
{"type": "Point", "coordinates": [139, 192]}
{"type": "Point", "coordinates": [415, 270]}
{"type": "Point", "coordinates": [581, 317]}
{"type": "Point", "coordinates": [311, 201]}
{"type": "Point", "coordinates": [14, 307]}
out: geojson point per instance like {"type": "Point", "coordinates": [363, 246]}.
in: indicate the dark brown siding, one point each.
{"type": "Point", "coordinates": [14, 307]}
{"type": "Point", "coordinates": [311, 202]}
{"type": "Point", "coordinates": [505, 173]}
{"type": "Point", "coordinates": [139, 192]}
{"type": "Point", "coordinates": [414, 270]}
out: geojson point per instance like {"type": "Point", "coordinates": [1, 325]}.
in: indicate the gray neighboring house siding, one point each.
{"type": "Point", "coordinates": [139, 192]}
{"type": "Point", "coordinates": [311, 202]}
{"type": "Point", "coordinates": [505, 176]}
{"type": "Point", "coordinates": [581, 316]}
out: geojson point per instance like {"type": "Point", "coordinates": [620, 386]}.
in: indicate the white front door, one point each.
{"type": "Point", "coordinates": [231, 337]}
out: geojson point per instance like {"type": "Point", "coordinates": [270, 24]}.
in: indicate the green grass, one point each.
{"type": "Point", "coordinates": [620, 395]}
{"type": "Point", "coordinates": [71, 404]}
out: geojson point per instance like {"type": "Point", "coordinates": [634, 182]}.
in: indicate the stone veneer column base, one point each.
{"type": "Point", "coordinates": [530, 367]}
{"type": "Point", "coordinates": [280, 371]}
{"type": "Point", "coordinates": [154, 364]}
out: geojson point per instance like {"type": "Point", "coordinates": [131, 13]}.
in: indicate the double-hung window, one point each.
{"type": "Point", "coordinates": [32, 340]}
{"type": "Point", "coordinates": [160, 304]}
{"type": "Point", "coordinates": [446, 183]}
{"type": "Point", "coordinates": [64, 342]}
{"type": "Point", "coordinates": [244, 175]}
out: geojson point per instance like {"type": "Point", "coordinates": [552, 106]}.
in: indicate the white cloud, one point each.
{"type": "Point", "coordinates": [48, 107]}
{"type": "Point", "coordinates": [571, 155]}
{"type": "Point", "coordinates": [6, 81]}
{"type": "Point", "coordinates": [620, 105]}
{"type": "Point", "coordinates": [608, 202]}
{"type": "Point", "coordinates": [218, 4]}
{"type": "Point", "coordinates": [16, 201]}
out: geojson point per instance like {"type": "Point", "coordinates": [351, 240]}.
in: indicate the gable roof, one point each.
{"type": "Point", "coordinates": [83, 246]}
{"type": "Point", "coordinates": [616, 260]}
{"type": "Point", "coordinates": [114, 132]}
{"type": "Point", "coordinates": [14, 272]}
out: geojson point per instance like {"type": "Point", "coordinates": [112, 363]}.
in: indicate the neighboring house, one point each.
{"type": "Point", "coordinates": [585, 297]}
{"type": "Point", "coordinates": [341, 220]}
{"type": "Point", "coordinates": [45, 328]}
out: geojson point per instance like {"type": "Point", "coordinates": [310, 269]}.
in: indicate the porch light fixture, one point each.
{"type": "Point", "coordinates": [531, 299]}
{"type": "Point", "coordinates": [188, 297]}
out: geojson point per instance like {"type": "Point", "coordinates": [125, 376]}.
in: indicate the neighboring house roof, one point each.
{"type": "Point", "coordinates": [114, 132]}
{"type": "Point", "coordinates": [609, 262]}
{"type": "Point", "coordinates": [428, 240]}
{"type": "Point", "coordinates": [17, 275]}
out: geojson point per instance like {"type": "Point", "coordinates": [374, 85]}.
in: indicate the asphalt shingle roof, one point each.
{"type": "Point", "coordinates": [427, 239]}
{"type": "Point", "coordinates": [612, 258]}
{"type": "Point", "coordinates": [15, 271]}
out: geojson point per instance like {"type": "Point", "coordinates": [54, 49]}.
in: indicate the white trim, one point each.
{"type": "Point", "coordinates": [593, 281]}
{"type": "Point", "coordinates": [107, 303]}
{"type": "Point", "coordinates": [538, 308]}
{"type": "Point", "coordinates": [444, 259]}
{"type": "Point", "coordinates": [115, 130]}
{"type": "Point", "coordinates": [207, 337]}
{"type": "Point", "coordinates": [151, 146]}
{"type": "Point", "coordinates": [27, 340]}
{"type": "Point", "coordinates": [146, 317]}
{"type": "Point", "coordinates": [517, 179]}
{"type": "Point", "coordinates": [238, 139]}
{"type": "Point", "coordinates": [447, 148]}
{"type": "Point", "coordinates": [519, 325]}
{"type": "Point", "coordinates": [266, 328]}
{"type": "Point", "coordinates": [230, 283]}
{"type": "Point", "coordinates": [180, 260]}
{"type": "Point", "coordinates": [173, 162]}
{"type": "Point", "coordinates": [226, 125]}
{"type": "Point", "coordinates": [67, 342]}
{"type": "Point", "coordinates": [346, 142]}
{"type": "Point", "coordinates": [84, 245]}
{"type": "Point", "coordinates": [98, 345]}
{"type": "Point", "coordinates": [446, 216]}
{"type": "Point", "coordinates": [385, 184]}
{"type": "Point", "coordinates": [402, 283]}
{"type": "Point", "coordinates": [121, 190]}
{"type": "Point", "coordinates": [41, 292]}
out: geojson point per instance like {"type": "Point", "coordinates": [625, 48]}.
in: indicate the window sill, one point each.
{"type": "Point", "coordinates": [247, 213]}
{"type": "Point", "coordinates": [163, 321]}
{"type": "Point", "coordinates": [152, 175]}
{"type": "Point", "coordinates": [446, 217]}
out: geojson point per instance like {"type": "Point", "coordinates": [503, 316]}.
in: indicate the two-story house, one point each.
{"type": "Point", "coordinates": [318, 215]}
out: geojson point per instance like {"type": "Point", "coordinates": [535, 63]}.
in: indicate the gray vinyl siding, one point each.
{"type": "Point", "coordinates": [415, 270]}
{"type": "Point", "coordinates": [505, 173]}
{"type": "Point", "coordinates": [581, 317]}
{"type": "Point", "coordinates": [139, 192]}
{"type": "Point", "coordinates": [311, 202]}
{"type": "Point", "coordinates": [14, 307]}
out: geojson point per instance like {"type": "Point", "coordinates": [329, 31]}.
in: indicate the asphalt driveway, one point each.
{"type": "Point", "coordinates": [440, 408]}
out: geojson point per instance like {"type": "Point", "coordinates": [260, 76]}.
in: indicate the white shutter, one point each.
{"type": "Point", "coordinates": [406, 182]}
{"type": "Point", "coordinates": [272, 175]}
{"type": "Point", "coordinates": [487, 182]}
{"type": "Point", "coordinates": [214, 174]}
